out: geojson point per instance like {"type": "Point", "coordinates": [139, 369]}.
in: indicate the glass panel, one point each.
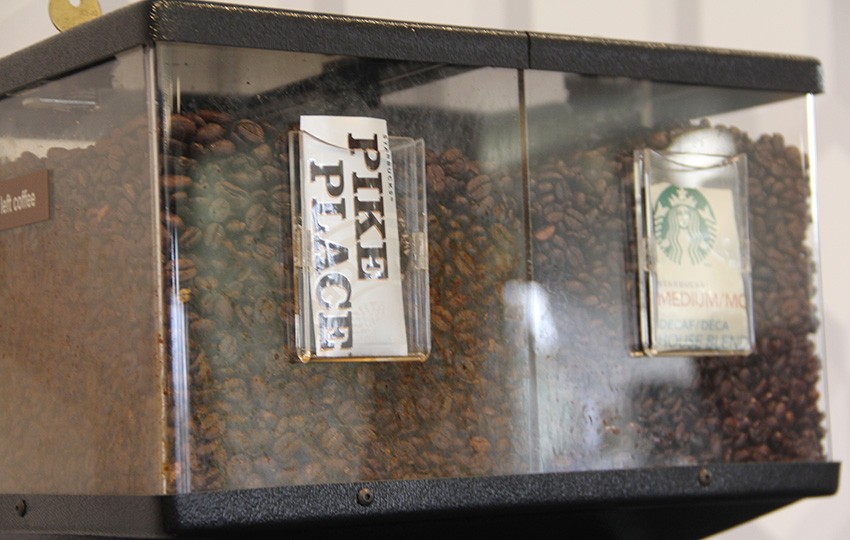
{"type": "Point", "coordinates": [80, 391]}
{"type": "Point", "coordinates": [601, 404]}
{"type": "Point", "coordinates": [246, 413]}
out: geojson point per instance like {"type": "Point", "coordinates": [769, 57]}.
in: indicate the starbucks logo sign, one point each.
{"type": "Point", "coordinates": [685, 225]}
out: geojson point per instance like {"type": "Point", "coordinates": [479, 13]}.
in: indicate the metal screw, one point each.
{"type": "Point", "coordinates": [21, 507]}
{"type": "Point", "coordinates": [365, 497]}
{"type": "Point", "coordinates": [704, 477]}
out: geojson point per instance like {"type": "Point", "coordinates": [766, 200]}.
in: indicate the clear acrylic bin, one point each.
{"type": "Point", "coordinates": [221, 296]}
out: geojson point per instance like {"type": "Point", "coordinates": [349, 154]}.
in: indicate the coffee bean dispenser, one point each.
{"type": "Point", "coordinates": [268, 270]}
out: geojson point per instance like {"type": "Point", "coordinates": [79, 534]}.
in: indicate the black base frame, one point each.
{"type": "Point", "coordinates": [668, 502]}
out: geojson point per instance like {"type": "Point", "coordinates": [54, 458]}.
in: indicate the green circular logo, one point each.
{"type": "Point", "coordinates": [685, 226]}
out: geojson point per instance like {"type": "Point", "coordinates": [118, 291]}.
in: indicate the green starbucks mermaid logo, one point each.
{"type": "Point", "coordinates": [684, 224]}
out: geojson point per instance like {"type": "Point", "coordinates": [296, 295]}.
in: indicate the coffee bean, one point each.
{"type": "Point", "coordinates": [235, 195]}
{"type": "Point", "coordinates": [176, 181]}
{"type": "Point", "coordinates": [264, 154]}
{"type": "Point", "coordinates": [214, 236]}
{"type": "Point", "coordinates": [222, 147]}
{"type": "Point", "coordinates": [186, 269]}
{"type": "Point", "coordinates": [454, 163]}
{"type": "Point", "coordinates": [212, 116]}
{"type": "Point", "coordinates": [219, 210]}
{"type": "Point", "coordinates": [209, 134]}
{"type": "Point", "coordinates": [479, 187]}
{"type": "Point", "coordinates": [177, 164]}
{"type": "Point", "coordinates": [256, 218]}
{"type": "Point", "coordinates": [249, 132]}
{"type": "Point", "coordinates": [545, 233]}
{"type": "Point", "coordinates": [191, 237]}
{"type": "Point", "coordinates": [181, 127]}
{"type": "Point", "coordinates": [436, 178]}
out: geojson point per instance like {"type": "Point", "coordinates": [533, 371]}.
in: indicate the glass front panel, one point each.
{"type": "Point", "coordinates": [577, 313]}
{"type": "Point", "coordinates": [603, 403]}
{"type": "Point", "coordinates": [246, 412]}
{"type": "Point", "coordinates": [80, 389]}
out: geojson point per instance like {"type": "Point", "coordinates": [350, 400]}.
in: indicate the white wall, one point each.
{"type": "Point", "coordinates": [815, 27]}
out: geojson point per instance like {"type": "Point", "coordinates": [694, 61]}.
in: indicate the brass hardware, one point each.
{"type": "Point", "coordinates": [65, 15]}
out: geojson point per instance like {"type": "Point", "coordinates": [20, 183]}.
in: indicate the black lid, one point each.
{"type": "Point", "coordinates": [676, 63]}
{"type": "Point", "coordinates": [193, 21]}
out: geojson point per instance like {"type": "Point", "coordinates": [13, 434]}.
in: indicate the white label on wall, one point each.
{"type": "Point", "coordinates": [349, 207]}
{"type": "Point", "coordinates": [700, 299]}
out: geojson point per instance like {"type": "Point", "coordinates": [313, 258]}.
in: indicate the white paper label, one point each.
{"type": "Point", "coordinates": [700, 302]}
{"type": "Point", "coordinates": [351, 224]}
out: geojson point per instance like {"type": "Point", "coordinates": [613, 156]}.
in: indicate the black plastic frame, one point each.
{"type": "Point", "coordinates": [190, 21]}
{"type": "Point", "coordinates": [669, 502]}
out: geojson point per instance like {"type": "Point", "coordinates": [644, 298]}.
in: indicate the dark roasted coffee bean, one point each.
{"type": "Point", "coordinates": [222, 147]}
{"type": "Point", "coordinates": [182, 128]}
{"type": "Point", "coordinates": [209, 134]}
{"type": "Point", "coordinates": [217, 117]}
{"type": "Point", "coordinates": [176, 181]}
{"type": "Point", "coordinates": [248, 132]}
